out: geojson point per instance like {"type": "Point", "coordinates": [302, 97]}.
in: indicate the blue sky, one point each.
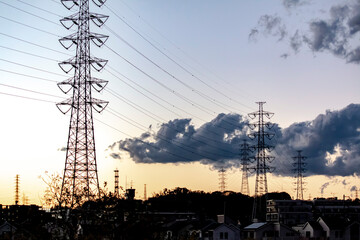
{"type": "Point", "coordinates": [211, 40]}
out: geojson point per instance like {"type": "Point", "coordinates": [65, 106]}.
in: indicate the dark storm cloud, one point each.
{"type": "Point", "coordinates": [331, 143]}
{"type": "Point", "coordinates": [337, 34]}
{"type": "Point", "coordinates": [215, 143]}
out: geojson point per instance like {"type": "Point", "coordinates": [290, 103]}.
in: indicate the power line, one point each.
{"type": "Point", "coordinates": [175, 62]}
{"type": "Point", "coordinates": [23, 24]}
{"type": "Point", "coordinates": [34, 15]}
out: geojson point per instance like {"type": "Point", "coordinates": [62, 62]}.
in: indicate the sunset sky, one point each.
{"type": "Point", "coordinates": [183, 75]}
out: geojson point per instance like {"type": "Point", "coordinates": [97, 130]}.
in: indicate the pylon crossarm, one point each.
{"type": "Point", "coordinates": [67, 103]}
{"type": "Point", "coordinates": [97, 63]}
{"type": "Point", "coordinates": [67, 85]}
{"type": "Point", "coordinates": [98, 84]}
{"type": "Point", "coordinates": [98, 19]}
{"type": "Point", "coordinates": [70, 62]}
{"type": "Point", "coordinates": [69, 5]}
{"type": "Point", "coordinates": [70, 21]}
{"type": "Point", "coordinates": [99, 3]}
{"type": "Point", "coordinates": [98, 39]}
{"type": "Point", "coordinates": [98, 105]}
{"type": "Point", "coordinates": [68, 41]}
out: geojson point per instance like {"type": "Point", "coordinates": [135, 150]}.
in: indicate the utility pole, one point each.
{"type": "Point", "coordinates": [299, 169]}
{"type": "Point", "coordinates": [245, 160]}
{"type": "Point", "coordinates": [80, 180]}
{"type": "Point", "coordinates": [222, 179]}
{"type": "Point", "coordinates": [262, 158]}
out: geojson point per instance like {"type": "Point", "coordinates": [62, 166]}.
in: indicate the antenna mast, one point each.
{"type": "Point", "coordinates": [80, 180]}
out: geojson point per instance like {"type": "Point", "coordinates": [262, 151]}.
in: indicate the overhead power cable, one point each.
{"type": "Point", "coordinates": [23, 24]}
{"type": "Point", "coordinates": [201, 94]}
{"type": "Point", "coordinates": [30, 98]}
{"type": "Point", "coordinates": [232, 87]}
{"type": "Point", "coordinates": [28, 90]}
{"type": "Point", "coordinates": [34, 15]}
{"type": "Point", "coordinates": [175, 62]}
{"type": "Point", "coordinates": [34, 68]}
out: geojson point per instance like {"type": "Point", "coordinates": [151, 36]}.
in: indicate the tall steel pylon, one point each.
{"type": "Point", "coordinates": [222, 179]}
{"type": "Point", "coordinates": [17, 181]}
{"type": "Point", "coordinates": [116, 183]}
{"type": "Point", "coordinates": [262, 158]}
{"type": "Point", "coordinates": [245, 160]}
{"type": "Point", "coordinates": [80, 180]}
{"type": "Point", "coordinates": [299, 169]}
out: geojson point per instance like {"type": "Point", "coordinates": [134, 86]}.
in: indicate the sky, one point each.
{"type": "Point", "coordinates": [183, 75]}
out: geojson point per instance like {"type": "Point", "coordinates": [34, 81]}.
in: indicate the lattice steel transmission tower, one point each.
{"type": "Point", "coordinates": [17, 181]}
{"type": "Point", "coordinates": [299, 169]}
{"type": "Point", "coordinates": [80, 181]}
{"type": "Point", "coordinates": [262, 157]}
{"type": "Point", "coordinates": [116, 183]}
{"type": "Point", "coordinates": [245, 160]}
{"type": "Point", "coordinates": [222, 179]}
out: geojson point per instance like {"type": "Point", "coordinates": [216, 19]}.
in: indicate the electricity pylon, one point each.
{"type": "Point", "coordinates": [116, 183]}
{"type": "Point", "coordinates": [80, 181]}
{"type": "Point", "coordinates": [245, 160]}
{"type": "Point", "coordinates": [222, 179]}
{"type": "Point", "coordinates": [17, 181]}
{"type": "Point", "coordinates": [299, 169]}
{"type": "Point", "coordinates": [262, 158]}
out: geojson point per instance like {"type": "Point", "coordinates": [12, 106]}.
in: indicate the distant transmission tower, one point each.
{"type": "Point", "coordinates": [262, 158]}
{"type": "Point", "coordinates": [245, 160]}
{"type": "Point", "coordinates": [222, 179]}
{"type": "Point", "coordinates": [17, 181]}
{"type": "Point", "coordinates": [80, 180]}
{"type": "Point", "coordinates": [299, 169]}
{"type": "Point", "coordinates": [116, 183]}
{"type": "Point", "coordinates": [145, 196]}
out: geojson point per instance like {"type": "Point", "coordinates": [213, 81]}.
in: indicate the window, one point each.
{"type": "Point", "coordinates": [221, 235]}
{"type": "Point", "coordinates": [226, 235]}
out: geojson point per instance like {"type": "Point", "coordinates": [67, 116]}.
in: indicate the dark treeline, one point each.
{"type": "Point", "coordinates": [121, 218]}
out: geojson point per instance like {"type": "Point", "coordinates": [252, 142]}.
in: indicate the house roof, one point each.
{"type": "Point", "coordinates": [314, 224]}
{"type": "Point", "coordinates": [255, 225]}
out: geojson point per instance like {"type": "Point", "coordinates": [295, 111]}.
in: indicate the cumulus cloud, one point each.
{"type": "Point", "coordinates": [336, 34]}
{"type": "Point", "coordinates": [331, 143]}
{"type": "Point", "coordinates": [215, 143]}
